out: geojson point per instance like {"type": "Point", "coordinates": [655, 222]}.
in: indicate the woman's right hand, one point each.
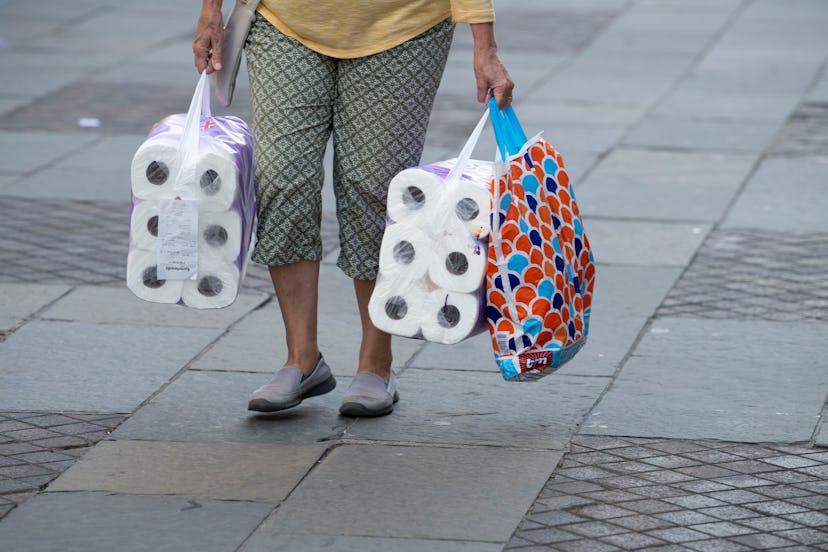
{"type": "Point", "coordinates": [209, 36]}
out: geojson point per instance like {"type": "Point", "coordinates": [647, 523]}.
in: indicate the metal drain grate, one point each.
{"type": "Point", "coordinates": [754, 274]}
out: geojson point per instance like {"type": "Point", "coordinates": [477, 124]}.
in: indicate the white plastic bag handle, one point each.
{"type": "Point", "coordinates": [188, 147]}
{"type": "Point", "coordinates": [465, 154]}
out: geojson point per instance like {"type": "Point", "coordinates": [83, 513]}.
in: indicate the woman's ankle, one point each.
{"type": "Point", "coordinates": [376, 364]}
{"type": "Point", "coordinates": [305, 360]}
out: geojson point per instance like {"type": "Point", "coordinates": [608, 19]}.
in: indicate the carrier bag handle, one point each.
{"type": "Point", "coordinates": [465, 154]}
{"type": "Point", "coordinates": [188, 146]}
{"type": "Point", "coordinates": [508, 130]}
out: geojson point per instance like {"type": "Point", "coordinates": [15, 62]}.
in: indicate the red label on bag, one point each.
{"type": "Point", "coordinates": [538, 361]}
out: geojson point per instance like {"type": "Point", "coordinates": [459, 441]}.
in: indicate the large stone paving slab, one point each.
{"type": "Point", "coordinates": [257, 343]}
{"type": "Point", "coordinates": [438, 406]}
{"type": "Point", "coordinates": [624, 299]}
{"type": "Point", "coordinates": [553, 112]}
{"type": "Point", "coordinates": [22, 152]}
{"type": "Point", "coordinates": [220, 471]}
{"type": "Point", "coordinates": [821, 438]}
{"type": "Point", "coordinates": [92, 367]}
{"type": "Point", "coordinates": [697, 135]}
{"type": "Point", "coordinates": [211, 407]}
{"type": "Point", "coordinates": [476, 494]}
{"type": "Point", "coordinates": [819, 92]}
{"type": "Point", "coordinates": [87, 522]}
{"type": "Point", "coordinates": [261, 542]}
{"type": "Point", "coordinates": [692, 99]}
{"type": "Point", "coordinates": [70, 183]}
{"type": "Point", "coordinates": [646, 243]}
{"type": "Point", "coordinates": [118, 305]}
{"type": "Point", "coordinates": [665, 185]}
{"type": "Point", "coordinates": [112, 153]}
{"type": "Point", "coordinates": [748, 381]}
{"type": "Point", "coordinates": [20, 301]}
{"type": "Point", "coordinates": [474, 354]}
{"type": "Point", "coordinates": [603, 89]}
{"type": "Point", "coordinates": [785, 194]}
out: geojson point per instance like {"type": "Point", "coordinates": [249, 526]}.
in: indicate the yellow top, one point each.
{"type": "Point", "coordinates": [356, 28]}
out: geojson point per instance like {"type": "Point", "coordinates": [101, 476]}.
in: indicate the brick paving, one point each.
{"type": "Point", "coordinates": [754, 274]}
{"type": "Point", "coordinates": [63, 241]}
{"type": "Point", "coordinates": [36, 447]}
{"type": "Point", "coordinates": [806, 132]}
{"type": "Point", "coordinates": [123, 107]}
{"type": "Point", "coordinates": [618, 493]}
{"type": "Point", "coordinates": [75, 242]}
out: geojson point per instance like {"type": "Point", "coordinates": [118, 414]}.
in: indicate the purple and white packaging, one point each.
{"type": "Point", "coordinates": [433, 256]}
{"type": "Point", "coordinates": [217, 179]}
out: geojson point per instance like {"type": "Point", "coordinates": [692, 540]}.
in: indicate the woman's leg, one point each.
{"type": "Point", "coordinates": [297, 289]}
{"type": "Point", "coordinates": [293, 91]}
{"type": "Point", "coordinates": [380, 119]}
{"type": "Point", "coordinates": [375, 349]}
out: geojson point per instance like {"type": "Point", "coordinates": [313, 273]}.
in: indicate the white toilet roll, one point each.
{"type": "Point", "coordinates": [143, 225]}
{"type": "Point", "coordinates": [412, 195]}
{"type": "Point", "coordinates": [395, 311]}
{"type": "Point", "coordinates": [459, 263]}
{"type": "Point", "coordinates": [451, 317]}
{"type": "Point", "coordinates": [142, 278]}
{"type": "Point", "coordinates": [216, 285]}
{"type": "Point", "coordinates": [217, 182]}
{"type": "Point", "coordinates": [405, 254]}
{"type": "Point", "coordinates": [154, 167]}
{"type": "Point", "coordinates": [470, 208]}
{"type": "Point", "coordinates": [220, 234]}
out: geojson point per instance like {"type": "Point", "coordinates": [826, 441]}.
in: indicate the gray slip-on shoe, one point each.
{"type": "Point", "coordinates": [290, 386]}
{"type": "Point", "coordinates": [369, 395]}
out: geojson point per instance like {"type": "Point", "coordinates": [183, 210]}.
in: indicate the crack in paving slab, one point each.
{"type": "Point", "coordinates": [619, 493]}
{"type": "Point", "coordinates": [36, 447]}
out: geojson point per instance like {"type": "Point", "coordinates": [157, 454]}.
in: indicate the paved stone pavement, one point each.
{"type": "Point", "coordinates": [694, 419]}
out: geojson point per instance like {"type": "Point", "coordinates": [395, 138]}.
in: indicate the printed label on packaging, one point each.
{"type": "Point", "coordinates": [538, 361]}
{"type": "Point", "coordinates": [177, 239]}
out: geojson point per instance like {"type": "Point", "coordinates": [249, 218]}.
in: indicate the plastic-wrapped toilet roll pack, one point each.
{"type": "Point", "coordinates": [433, 256]}
{"type": "Point", "coordinates": [217, 181]}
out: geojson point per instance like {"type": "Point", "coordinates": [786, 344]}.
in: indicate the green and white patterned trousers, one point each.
{"type": "Point", "coordinates": [377, 107]}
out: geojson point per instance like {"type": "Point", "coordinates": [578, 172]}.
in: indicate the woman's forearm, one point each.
{"type": "Point", "coordinates": [492, 77]}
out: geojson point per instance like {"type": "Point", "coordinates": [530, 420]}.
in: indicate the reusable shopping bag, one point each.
{"type": "Point", "coordinates": [193, 208]}
{"type": "Point", "coordinates": [432, 265]}
{"type": "Point", "coordinates": [541, 270]}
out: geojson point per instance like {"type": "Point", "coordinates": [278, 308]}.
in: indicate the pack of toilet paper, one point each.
{"type": "Point", "coordinates": [193, 211]}
{"type": "Point", "coordinates": [433, 258]}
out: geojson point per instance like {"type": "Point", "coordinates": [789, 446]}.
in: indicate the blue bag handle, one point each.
{"type": "Point", "coordinates": [508, 131]}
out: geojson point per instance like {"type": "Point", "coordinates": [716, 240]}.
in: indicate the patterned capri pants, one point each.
{"type": "Point", "coordinates": [377, 107]}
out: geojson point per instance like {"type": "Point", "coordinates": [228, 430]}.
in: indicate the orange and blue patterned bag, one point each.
{"type": "Point", "coordinates": [541, 271]}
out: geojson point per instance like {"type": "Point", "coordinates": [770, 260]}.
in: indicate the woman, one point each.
{"type": "Point", "coordinates": [366, 72]}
